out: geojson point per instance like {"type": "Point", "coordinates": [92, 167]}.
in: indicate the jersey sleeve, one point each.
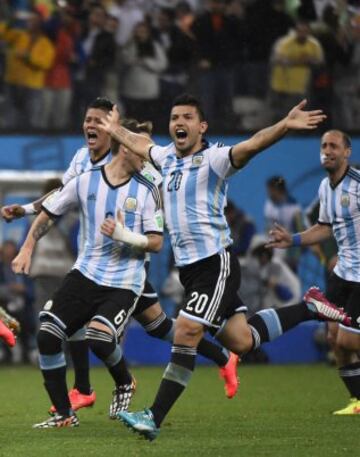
{"type": "Point", "coordinates": [62, 200]}
{"type": "Point", "coordinates": [221, 162]}
{"type": "Point", "coordinates": [158, 155]}
{"type": "Point", "coordinates": [323, 215]}
{"type": "Point", "coordinates": [153, 219]}
{"type": "Point", "coordinates": [71, 172]}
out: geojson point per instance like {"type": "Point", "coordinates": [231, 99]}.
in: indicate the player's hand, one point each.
{"type": "Point", "coordinates": [11, 212]}
{"type": "Point", "coordinates": [298, 119]}
{"type": "Point", "coordinates": [111, 120]}
{"type": "Point", "coordinates": [279, 237]}
{"type": "Point", "coordinates": [22, 262]}
{"type": "Point", "coordinates": [109, 225]}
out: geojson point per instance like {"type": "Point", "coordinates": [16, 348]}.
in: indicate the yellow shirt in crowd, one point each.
{"type": "Point", "coordinates": [292, 76]}
{"type": "Point", "coordinates": [31, 71]}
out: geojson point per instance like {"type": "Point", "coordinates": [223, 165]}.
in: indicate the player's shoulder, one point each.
{"type": "Point", "coordinates": [354, 174]}
{"type": "Point", "coordinates": [81, 153]}
{"type": "Point", "coordinates": [144, 180]}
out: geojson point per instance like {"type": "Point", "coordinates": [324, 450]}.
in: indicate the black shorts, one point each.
{"type": "Point", "coordinates": [148, 298]}
{"type": "Point", "coordinates": [345, 294]}
{"type": "Point", "coordinates": [211, 287]}
{"type": "Point", "coordinates": [79, 300]}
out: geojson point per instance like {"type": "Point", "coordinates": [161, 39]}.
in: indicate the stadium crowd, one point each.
{"type": "Point", "coordinates": [247, 60]}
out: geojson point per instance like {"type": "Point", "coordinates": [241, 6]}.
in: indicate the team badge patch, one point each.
{"type": "Point", "coordinates": [130, 204]}
{"type": "Point", "coordinates": [345, 200]}
{"type": "Point", "coordinates": [197, 160]}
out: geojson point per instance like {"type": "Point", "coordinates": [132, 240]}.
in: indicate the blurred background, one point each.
{"type": "Point", "coordinates": [249, 62]}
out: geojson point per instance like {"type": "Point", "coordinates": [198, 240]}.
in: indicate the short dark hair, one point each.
{"type": "Point", "coordinates": [190, 100]}
{"type": "Point", "coordinates": [345, 137]}
{"type": "Point", "coordinates": [134, 126]}
{"type": "Point", "coordinates": [277, 182]}
{"type": "Point", "coordinates": [102, 103]}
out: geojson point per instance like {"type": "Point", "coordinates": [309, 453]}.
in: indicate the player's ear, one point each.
{"type": "Point", "coordinates": [203, 126]}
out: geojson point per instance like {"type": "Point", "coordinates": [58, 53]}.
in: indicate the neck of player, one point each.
{"type": "Point", "coordinates": [118, 171]}
{"type": "Point", "coordinates": [336, 176]}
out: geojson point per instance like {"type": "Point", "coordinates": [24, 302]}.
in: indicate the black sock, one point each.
{"type": "Point", "coordinates": [79, 351]}
{"type": "Point", "coordinates": [213, 352]}
{"type": "Point", "coordinates": [175, 379]}
{"type": "Point", "coordinates": [120, 373]}
{"type": "Point", "coordinates": [163, 328]}
{"type": "Point", "coordinates": [55, 384]}
{"type": "Point", "coordinates": [268, 324]}
{"type": "Point", "coordinates": [350, 374]}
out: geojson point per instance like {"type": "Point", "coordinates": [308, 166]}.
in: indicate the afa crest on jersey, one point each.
{"type": "Point", "coordinates": [197, 160]}
{"type": "Point", "coordinates": [130, 204]}
{"type": "Point", "coordinates": [345, 200]}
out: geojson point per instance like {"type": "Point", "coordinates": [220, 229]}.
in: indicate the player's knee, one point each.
{"type": "Point", "coordinates": [187, 331]}
{"type": "Point", "coordinates": [50, 338]}
{"type": "Point", "coordinates": [101, 342]}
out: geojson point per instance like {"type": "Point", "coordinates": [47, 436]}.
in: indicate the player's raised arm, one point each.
{"type": "Point", "coordinates": [16, 211]}
{"type": "Point", "coordinates": [139, 144]}
{"type": "Point", "coordinates": [297, 119]}
{"type": "Point", "coordinates": [281, 238]}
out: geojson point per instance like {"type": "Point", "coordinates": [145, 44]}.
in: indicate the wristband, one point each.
{"type": "Point", "coordinates": [296, 239]}
{"type": "Point", "coordinates": [126, 236]}
{"type": "Point", "coordinates": [29, 209]}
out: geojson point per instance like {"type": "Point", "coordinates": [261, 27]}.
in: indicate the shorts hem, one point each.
{"type": "Point", "coordinates": [199, 319]}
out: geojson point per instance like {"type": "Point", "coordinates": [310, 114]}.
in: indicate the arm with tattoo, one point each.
{"type": "Point", "coordinates": [40, 226]}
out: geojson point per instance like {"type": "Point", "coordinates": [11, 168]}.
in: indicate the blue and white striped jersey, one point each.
{"type": "Point", "coordinates": [340, 208]}
{"type": "Point", "coordinates": [103, 260]}
{"type": "Point", "coordinates": [194, 193]}
{"type": "Point", "coordinates": [82, 162]}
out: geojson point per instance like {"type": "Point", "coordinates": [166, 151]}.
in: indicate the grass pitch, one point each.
{"type": "Point", "coordinates": [281, 411]}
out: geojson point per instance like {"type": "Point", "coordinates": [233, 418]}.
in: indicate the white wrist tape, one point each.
{"type": "Point", "coordinates": [127, 236]}
{"type": "Point", "coordinates": [29, 208]}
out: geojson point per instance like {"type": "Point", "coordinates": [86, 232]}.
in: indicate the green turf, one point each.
{"type": "Point", "coordinates": [280, 411]}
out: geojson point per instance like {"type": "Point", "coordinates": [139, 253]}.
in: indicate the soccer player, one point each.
{"type": "Point", "coordinates": [194, 192]}
{"type": "Point", "coordinates": [108, 276]}
{"type": "Point", "coordinates": [149, 313]}
{"type": "Point", "coordinates": [339, 215]}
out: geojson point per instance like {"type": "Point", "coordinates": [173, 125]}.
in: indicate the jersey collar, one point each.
{"type": "Point", "coordinates": [333, 186]}
{"type": "Point", "coordinates": [94, 162]}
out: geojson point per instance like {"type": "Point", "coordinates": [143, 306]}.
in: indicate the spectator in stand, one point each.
{"type": "Point", "coordinates": [29, 56]}
{"type": "Point", "coordinates": [267, 281]}
{"type": "Point", "coordinates": [145, 60]}
{"type": "Point", "coordinates": [265, 21]}
{"type": "Point", "coordinates": [294, 58]}
{"type": "Point", "coordinates": [242, 229]}
{"type": "Point", "coordinates": [58, 83]}
{"type": "Point", "coordinates": [282, 208]}
{"type": "Point", "coordinates": [99, 48]}
{"type": "Point", "coordinates": [335, 41]}
{"type": "Point", "coordinates": [128, 15]}
{"type": "Point", "coordinates": [216, 35]}
{"type": "Point", "coordinates": [173, 31]}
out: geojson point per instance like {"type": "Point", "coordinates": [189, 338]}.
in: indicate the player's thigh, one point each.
{"type": "Point", "coordinates": [148, 307]}
{"type": "Point", "coordinates": [236, 334]}
{"type": "Point", "coordinates": [72, 304]}
{"type": "Point", "coordinates": [188, 332]}
{"type": "Point", "coordinates": [210, 285]}
{"type": "Point", "coordinates": [115, 309]}
{"type": "Point", "coordinates": [348, 340]}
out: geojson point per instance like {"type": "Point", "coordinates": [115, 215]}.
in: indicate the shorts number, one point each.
{"type": "Point", "coordinates": [119, 318]}
{"type": "Point", "coordinates": [200, 302]}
